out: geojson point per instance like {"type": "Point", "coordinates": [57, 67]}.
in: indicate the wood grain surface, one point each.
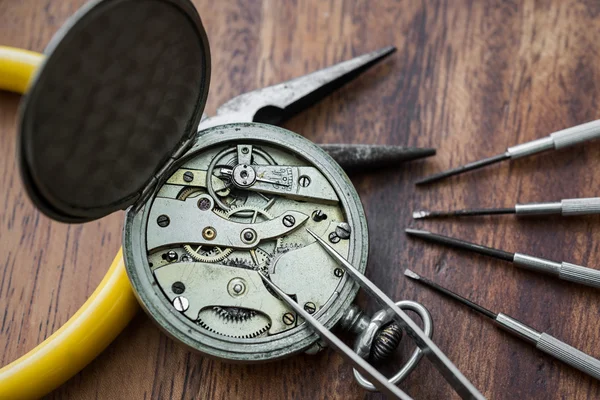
{"type": "Point", "coordinates": [469, 78]}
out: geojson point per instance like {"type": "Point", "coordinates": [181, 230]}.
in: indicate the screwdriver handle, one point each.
{"type": "Point", "coordinates": [585, 206]}
{"type": "Point", "coordinates": [557, 140]}
{"type": "Point", "coordinates": [576, 134]}
{"type": "Point", "coordinates": [550, 345]}
{"type": "Point", "coordinates": [569, 355]}
{"type": "Point", "coordinates": [566, 207]}
{"type": "Point", "coordinates": [578, 274]}
{"type": "Point", "coordinates": [563, 270]}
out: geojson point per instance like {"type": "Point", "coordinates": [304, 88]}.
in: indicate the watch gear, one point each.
{"type": "Point", "coordinates": [189, 191]}
{"type": "Point", "coordinates": [238, 263]}
{"type": "Point", "coordinates": [241, 323]}
{"type": "Point", "coordinates": [213, 254]}
{"type": "Point", "coordinates": [234, 313]}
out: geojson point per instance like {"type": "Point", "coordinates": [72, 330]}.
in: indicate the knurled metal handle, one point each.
{"type": "Point", "coordinates": [557, 140]}
{"type": "Point", "coordinates": [570, 355]}
{"type": "Point", "coordinates": [581, 206]}
{"type": "Point", "coordinates": [576, 134]}
{"type": "Point", "coordinates": [579, 274]}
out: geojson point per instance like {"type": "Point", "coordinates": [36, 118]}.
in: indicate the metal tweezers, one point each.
{"type": "Point", "coordinates": [275, 104]}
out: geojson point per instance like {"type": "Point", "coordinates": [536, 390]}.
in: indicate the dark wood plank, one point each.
{"type": "Point", "coordinates": [469, 78]}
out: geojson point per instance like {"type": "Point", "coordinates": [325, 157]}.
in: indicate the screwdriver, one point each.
{"type": "Point", "coordinates": [563, 270]}
{"type": "Point", "coordinates": [542, 341]}
{"type": "Point", "coordinates": [566, 207]}
{"type": "Point", "coordinates": [555, 141]}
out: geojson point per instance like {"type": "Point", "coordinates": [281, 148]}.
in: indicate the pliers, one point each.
{"type": "Point", "coordinates": [112, 305]}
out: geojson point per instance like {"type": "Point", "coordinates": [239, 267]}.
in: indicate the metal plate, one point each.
{"type": "Point", "coordinates": [123, 84]}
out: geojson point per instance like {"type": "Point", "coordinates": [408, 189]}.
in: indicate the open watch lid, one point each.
{"type": "Point", "coordinates": [120, 93]}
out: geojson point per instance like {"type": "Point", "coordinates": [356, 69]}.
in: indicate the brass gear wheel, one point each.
{"type": "Point", "coordinates": [215, 254]}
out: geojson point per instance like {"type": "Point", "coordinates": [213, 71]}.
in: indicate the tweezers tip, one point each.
{"type": "Point", "coordinates": [387, 50]}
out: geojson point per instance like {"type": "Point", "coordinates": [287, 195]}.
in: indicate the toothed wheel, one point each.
{"type": "Point", "coordinates": [214, 254]}
{"type": "Point", "coordinates": [238, 263]}
{"type": "Point", "coordinates": [234, 322]}
{"type": "Point", "coordinates": [234, 314]}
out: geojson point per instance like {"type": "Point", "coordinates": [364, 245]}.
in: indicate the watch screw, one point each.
{"type": "Point", "coordinates": [343, 230]}
{"type": "Point", "coordinates": [289, 221]}
{"type": "Point", "coordinates": [288, 318]}
{"type": "Point", "coordinates": [310, 307]}
{"type": "Point", "coordinates": [318, 216]}
{"type": "Point", "coordinates": [163, 220]}
{"type": "Point", "coordinates": [171, 256]}
{"type": "Point", "coordinates": [304, 181]}
{"type": "Point", "coordinates": [333, 237]}
{"type": "Point", "coordinates": [338, 272]}
{"type": "Point", "coordinates": [178, 287]}
{"type": "Point", "coordinates": [181, 303]}
{"type": "Point", "coordinates": [188, 176]}
{"type": "Point", "coordinates": [204, 204]}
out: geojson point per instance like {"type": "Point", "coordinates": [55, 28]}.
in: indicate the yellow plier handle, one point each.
{"type": "Point", "coordinates": [97, 323]}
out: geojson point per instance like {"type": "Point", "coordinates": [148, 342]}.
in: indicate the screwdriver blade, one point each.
{"type": "Point", "coordinates": [451, 294]}
{"type": "Point", "coordinates": [459, 170]}
{"type": "Point", "coordinates": [423, 214]}
{"type": "Point", "coordinates": [461, 244]}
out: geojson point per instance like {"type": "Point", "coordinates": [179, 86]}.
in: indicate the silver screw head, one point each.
{"type": "Point", "coordinates": [338, 272]}
{"type": "Point", "coordinates": [288, 318]}
{"type": "Point", "coordinates": [343, 230]}
{"type": "Point", "coordinates": [171, 256]}
{"type": "Point", "coordinates": [181, 303]}
{"type": "Point", "coordinates": [304, 181]}
{"type": "Point", "coordinates": [289, 221]}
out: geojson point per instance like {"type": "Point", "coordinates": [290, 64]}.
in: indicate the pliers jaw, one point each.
{"type": "Point", "coordinates": [275, 104]}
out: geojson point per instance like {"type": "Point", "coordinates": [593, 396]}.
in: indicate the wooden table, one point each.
{"type": "Point", "coordinates": [469, 78]}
